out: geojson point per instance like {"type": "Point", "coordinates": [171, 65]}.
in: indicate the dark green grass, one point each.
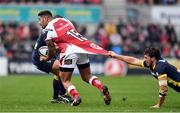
{"type": "Point", "coordinates": [33, 93]}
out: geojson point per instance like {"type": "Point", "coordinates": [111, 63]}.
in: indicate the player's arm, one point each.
{"type": "Point", "coordinates": [51, 48]}
{"type": "Point", "coordinates": [127, 59]}
{"type": "Point", "coordinates": [163, 88]}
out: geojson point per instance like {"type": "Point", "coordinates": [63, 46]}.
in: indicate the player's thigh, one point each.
{"type": "Point", "coordinates": [68, 61]}
{"type": "Point", "coordinates": [82, 58]}
{"type": "Point", "coordinates": [85, 74]}
{"type": "Point", "coordinates": [65, 76]}
{"type": "Point", "coordinates": [66, 79]}
{"type": "Point", "coordinates": [67, 65]}
{"type": "Point", "coordinates": [84, 66]}
{"type": "Point", "coordinates": [55, 67]}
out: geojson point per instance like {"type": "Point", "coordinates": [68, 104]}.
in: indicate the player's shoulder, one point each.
{"type": "Point", "coordinates": [44, 32]}
{"type": "Point", "coordinates": [162, 63]}
{"type": "Point", "coordinates": [50, 25]}
{"type": "Point", "coordinates": [66, 21]}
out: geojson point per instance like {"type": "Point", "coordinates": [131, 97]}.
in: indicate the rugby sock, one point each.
{"type": "Point", "coordinates": [95, 82]}
{"type": "Point", "coordinates": [62, 90]}
{"type": "Point", "coordinates": [55, 88]}
{"type": "Point", "coordinates": [72, 91]}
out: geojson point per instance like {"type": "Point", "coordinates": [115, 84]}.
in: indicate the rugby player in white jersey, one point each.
{"type": "Point", "coordinates": [73, 49]}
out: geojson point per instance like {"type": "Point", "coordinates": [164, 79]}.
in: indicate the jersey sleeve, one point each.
{"type": "Point", "coordinates": [51, 33]}
{"type": "Point", "coordinates": [145, 64]}
{"type": "Point", "coordinates": [161, 70]}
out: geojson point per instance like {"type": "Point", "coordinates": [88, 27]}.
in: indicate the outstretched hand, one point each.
{"type": "Point", "coordinates": [112, 54]}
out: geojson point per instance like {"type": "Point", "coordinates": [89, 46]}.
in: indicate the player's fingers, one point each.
{"type": "Point", "coordinates": [42, 58]}
{"type": "Point", "coordinates": [111, 53]}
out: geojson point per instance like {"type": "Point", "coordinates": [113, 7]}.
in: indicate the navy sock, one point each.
{"type": "Point", "coordinates": [55, 88]}
{"type": "Point", "coordinates": [62, 90]}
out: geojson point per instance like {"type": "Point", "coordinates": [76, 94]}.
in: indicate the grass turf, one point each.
{"type": "Point", "coordinates": [33, 94]}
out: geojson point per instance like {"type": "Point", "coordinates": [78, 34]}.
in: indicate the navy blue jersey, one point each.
{"type": "Point", "coordinates": [41, 65]}
{"type": "Point", "coordinates": [163, 68]}
{"type": "Point", "coordinates": [39, 43]}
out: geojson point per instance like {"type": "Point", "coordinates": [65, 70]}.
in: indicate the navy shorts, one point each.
{"type": "Point", "coordinates": [45, 66]}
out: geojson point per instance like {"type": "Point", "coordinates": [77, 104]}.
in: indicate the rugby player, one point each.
{"type": "Point", "coordinates": [69, 42]}
{"type": "Point", "coordinates": [165, 73]}
{"type": "Point", "coordinates": [59, 92]}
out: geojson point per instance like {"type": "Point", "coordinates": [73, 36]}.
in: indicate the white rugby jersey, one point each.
{"type": "Point", "coordinates": [68, 40]}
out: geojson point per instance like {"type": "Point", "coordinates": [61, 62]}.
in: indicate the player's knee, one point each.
{"type": "Point", "coordinates": [64, 80]}
{"type": "Point", "coordinates": [65, 75]}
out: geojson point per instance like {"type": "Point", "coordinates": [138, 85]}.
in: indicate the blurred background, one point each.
{"type": "Point", "coordinates": [124, 26]}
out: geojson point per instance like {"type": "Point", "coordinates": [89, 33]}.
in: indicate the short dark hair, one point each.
{"type": "Point", "coordinates": [45, 13]}
{"type": "Point", "coordinates": [153, 52]}
{"type": "Point", "coordinates": [58, 16]}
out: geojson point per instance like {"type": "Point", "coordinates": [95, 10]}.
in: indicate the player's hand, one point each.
{"type": "Point", "coordinates": [155, 106]}
{"type": "Point", "coordinates": [112, 54]}
{"type": "Point", "coordinates": [43, 58]}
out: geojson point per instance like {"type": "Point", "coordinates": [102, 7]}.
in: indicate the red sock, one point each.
{"type": "Point", "coordinates": [72, 91]}
{"type": "Point", "coordinates": [95, 82]}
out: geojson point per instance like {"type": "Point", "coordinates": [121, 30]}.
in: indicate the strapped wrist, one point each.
{"type": "Point", "coordinates": [162, 94]}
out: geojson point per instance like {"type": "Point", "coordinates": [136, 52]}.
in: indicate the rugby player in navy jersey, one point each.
{"type": "Point", "coordinates": [165, 73]}
{"type": "Point", "coordinates": [59, 92]}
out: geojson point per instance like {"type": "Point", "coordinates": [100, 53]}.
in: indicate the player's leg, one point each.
{"type": "Point", "coordinates": [52, 66]}
{"type": "Point", "coordinates": [56, 88]}
{"type": "Point", "coordinates": [66, 80]}
{"type": "Point", "coordinates": [68, 63]}
{"type": "Point", "coordinates": [94, 81]}
{"type": "Point", "coordinates": [59, 92]}
{"type": "Point", "coordinates": [57, 84]}
{"type": "Point", "coordinates": [86, 76]}
{"type": "Point", "coordinates": [84, 69]}
{"type": "Point", "coordinates": [85, 72]}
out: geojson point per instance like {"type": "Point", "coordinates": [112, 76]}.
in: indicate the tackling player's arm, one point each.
{"type": "Point", "coordinates": [127, 59]}
{"type": "Point", "coordinates": [163, 88]}
{"type": "Point", "coordinates": [51, 50]}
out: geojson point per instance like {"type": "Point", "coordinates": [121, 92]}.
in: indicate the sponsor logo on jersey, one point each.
{"type": "Point", "coordinates": [68, 61]}
{"type": "Point", "coordinates": [95, 46]}
{"type": "Point", "coordinates": [62, 26]}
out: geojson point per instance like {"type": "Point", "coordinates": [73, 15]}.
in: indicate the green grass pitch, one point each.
{"type": "Point", "coordinates": [33, 94]}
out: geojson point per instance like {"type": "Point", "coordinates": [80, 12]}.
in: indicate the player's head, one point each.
{"type": "Point", "coordinates": [45, 17]}
{"type": "Point", "coordinates": [151, 54]}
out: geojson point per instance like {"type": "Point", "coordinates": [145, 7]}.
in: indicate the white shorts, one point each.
{"type": "Point", "coordinates": [70, 60]}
